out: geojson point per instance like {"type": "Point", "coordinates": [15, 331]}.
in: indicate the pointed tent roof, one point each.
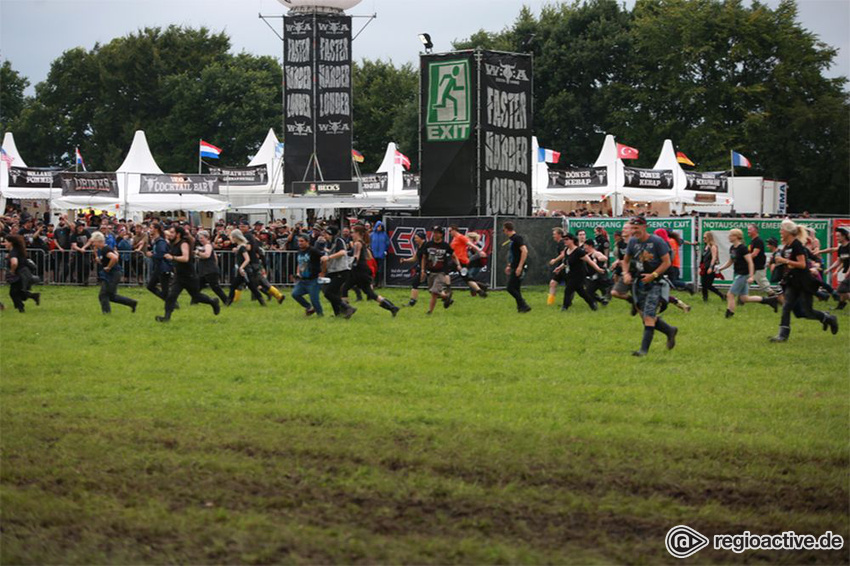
{"type": "Point", "coordinates": [139, 159]}
{"type": "Point", "coordinates": [394, 171]}
{"type": "Point", "coordinates": [266, 154]}
{"type": "Point", "coordinates": [10, 148]}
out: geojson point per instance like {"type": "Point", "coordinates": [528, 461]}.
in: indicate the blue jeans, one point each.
{"type": "Point", "coordinates": [308, 287]}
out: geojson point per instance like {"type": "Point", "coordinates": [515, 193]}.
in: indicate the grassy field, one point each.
{"type": "Point", "coordinates": [476, 435]}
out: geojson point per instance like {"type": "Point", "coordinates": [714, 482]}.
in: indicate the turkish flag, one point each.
{"type": "Point", "coordinates": [626, 152]}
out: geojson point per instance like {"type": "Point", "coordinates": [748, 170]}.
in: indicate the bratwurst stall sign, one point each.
{"type": "Point", "coordinates": [171, 184]}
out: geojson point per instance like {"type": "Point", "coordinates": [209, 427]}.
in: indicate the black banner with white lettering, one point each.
{"type": "Point", "coordinates": [256, 175]}
{"type": "Point", "coordinates": [374, 183]}
{"type": "Point", "coordinates": [410, 181]}
{"type": "Point", "coordinates": [578, 178]}
{"type": "Point", "coordinates": [648, 178]}
{"type": "Point", "coordinates": [448, 110]}
{"type": "Point", "coordinates": [299, 97]}
{"type": "Point", "coordinates": [333, 91]}
{"type": "Point", "coordinates": [25, 177]}
{"type": "Point", "coordinates": [322, 188]}
{"type": "Point", "coordinates": [89, 184]}
{"type": "Point", "coordinates": [505, 160]}
{"type": "Point", "coordinates": [709, 182]}
{"type": "Point", "coordinates": [402, 247]}
{"type": "Point", "coordinates": [179, 183]}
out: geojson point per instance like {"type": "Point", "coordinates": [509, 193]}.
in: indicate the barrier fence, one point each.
{"type": "Point", "coordinates": [64, 267]}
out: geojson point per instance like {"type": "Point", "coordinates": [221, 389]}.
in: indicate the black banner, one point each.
{"type": "Point", "coordinates": [578, 178]}
{"type": "Point", "coordinates": [374, 183]}
{"type": "Point", "coordinates": [333, 91]}
{"type": "Point", "coordinates": [316, 188]}
{"type": "Point", "coordinates": [505, 160]}
{"type": "Point", "coordinates": [709, 182]}
{"type": "Point", "coordinates": [256, 175]}
{"type": "Point", "coordinates": [648, 178]}
{"type": "Point", "coordinates": [90, 184]}
{"type": "Point", "coordinates": [25, 177]}
{"type": "Point", "coordinates": [448, 109]}
{"type": "Point", "coordinates": [179, 183]}
{"type": "Point", "coordinates": [401, 230]}
{"type": "Point", "coordinates": [410, 182]}
{"type": "Point", "coordinates": [299, 96]}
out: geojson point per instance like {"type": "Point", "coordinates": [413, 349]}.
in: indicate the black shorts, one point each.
{"type": "Point", "coordinates": [416, 281]}
{"type": "Point", "coordinates": [559, 277]}
{"type": "Point", "coordinates": [844, 286]}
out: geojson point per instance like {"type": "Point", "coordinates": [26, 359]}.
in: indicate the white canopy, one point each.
{"type": "Point", "coordinates": [139, 159]}
{"type": "Point", "coordinates": [667, 160]}
{"type": "Point", "coordinates": [12, 150]}
{"type": "Point", "coordinates": [606, 159]}
{"type": "Point", "coordinates": [17, 161]}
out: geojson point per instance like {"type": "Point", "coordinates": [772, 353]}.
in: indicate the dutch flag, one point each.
{"type": "Point", "coordinates": [79, 158]}
{"type": "Point", "coordinates": [547, 155]}
{"type": "Point", "coordinates": [209, 150]}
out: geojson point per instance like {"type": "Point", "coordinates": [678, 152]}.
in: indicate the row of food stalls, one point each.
{"type": "Point", "coordinates": [612, 186]}
{"type": "Point", "coordinates": [139, 186]}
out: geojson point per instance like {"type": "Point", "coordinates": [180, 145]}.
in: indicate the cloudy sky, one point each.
{"type": "Point", "coordinates": [34, 32]}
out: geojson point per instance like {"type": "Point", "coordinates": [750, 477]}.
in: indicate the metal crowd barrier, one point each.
{"type": "Point", "coordinates": [67, 267]}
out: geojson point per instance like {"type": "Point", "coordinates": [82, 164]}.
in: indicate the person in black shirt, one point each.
{"type": "Point", "coordinates": [557, 274]}
{"type": "Point", "coordinates": [182, 256]}
{"type": "Point", "coordinates": [621, 242]}
{"type": "Point", "coordinates": [740, 256]}
{"type": "Point", "coordinates": [708, 267]}
{"type": "Point", "coordinates": [109, 274]}
{"type": "Point", "coordinates": [208, 272]}
{"type": "Point", "coordinates": [61, 255]}
{"type": "Point", "coordinates": [309, 268]}
{"type": "Point", "coordinates": [243, 270]}
{"type": "Point", "coordinates": [416, 260]}
{"type": "Point", "coordinates": [575, 272]}
{"type": "Point", "coordinates": [436, 260]}
{"type": "Point", "coordinates": [337, 265]}
{"type": "Point", "coordinates": [80, 260]}
{"type": "Point", "coordinates": [18, 274]}
{"type": "Point", "coordinates": [597, 280]}
{"type": "Point", "coordinates": [841, 265]}
{"type": "Point", "coordinates": [797, 282]}
{"type": "Point", "coordinates": [361, 273]}
{"type": "Point", "coordinates": [161, 269]}
{"type": "Point", "coordinates": [759, 260]}
{"type": "Point", "coordinates": [517, 256]}
{"type": "Point", "coordinates": [651, 255]}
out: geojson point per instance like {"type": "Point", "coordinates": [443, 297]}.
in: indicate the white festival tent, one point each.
{"type": "Point", "coordinates": [607, 158]}
{"type": "Point", "coordinates": [17, 161]}
{"type": "Point", "coordinates": [239, 196]}
{"type": "Point", "coordinates": [667, 160]}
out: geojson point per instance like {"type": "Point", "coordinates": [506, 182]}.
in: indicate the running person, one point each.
{"type": "Point", "coordinates": [436, 262]}
{"type": "Point", "coordinates": [651, 255]}
{"type": "Point", "coordinates": [841, 265]}
{"type": "Point", "coordinates": [309, 262]}
{"type": "Point", "coordinates": [361, 274]}
{"type": "Point", "coordinates": [757, 252]}
{"type": "Point", "coordinates": [182, 255]}
{"type": "Point", "coordinates": [337, 265]}
{"type": "Point", "coordinates": [208, 272]}
{"type": "Point", "coordinates": [477, 256]}
{"type": "Point", "coordinates": [244, 270]}
{"type": "Point", "coordinates": [575, 272]}
{"type": "Point", "coordinates": [109, 274]}
{"type": "Point", "coordinates": [557, 273]}
{"type": "Point", "coordinates": [161, 269]}
{"type": "Point", "coordinates": [599, 280]}
{"type": "Point", "coordinates": [708, 267]}
{"type": "Point", "coordinates": [460, 245]}
{"type": "Point", "coordinates": [18, 273]}
{"type": "Point", "coordinates": [744, 270]}
{"type": "Point", "coordinates": [517, 256]}
{"type": "Point", "coordinates": [797, 282]}
{"type": "Point", "coordinates": [416, 260]}
{"type": "Point", "coordinates": [621, 241]}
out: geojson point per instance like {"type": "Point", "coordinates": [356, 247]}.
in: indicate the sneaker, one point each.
{"type": "Point", "coordinates": [216, 307]}
{"type": "Point", "coordinates": [778, 338]}
{"type": "Point", "coordinates": [671, 338]}
{"type": "Point", "coordinates": [831, 322]}
{"type": "Point", "coordinates": [133, 307]}
{"type": "Point", "coordinates": [411, 303]}
{"type": "Point", "coordinates": [162, 319]}
{"type": "Point", "coordinates": [281, 299]}
{"type": "Point", "coordinates": [634, 309]}
{"type": "Point", "coordinates": [310, 311]}
{"type": "Point", "coordinates": [594, 306]}
{"type": "Point", "coordinates": [37, 298]}
{"type": "Point", "coordinates": [841, 305]}
{"type": "Point", "coordinates": [729, 314]}
{"type": "Point", "coordinates": [482, 293]}
{"type": "Point", "coordinates": [639, 353]}
{"type": "Point", "coordinates": [686, 308]}
{"type": "Point", "coordinates": [524, 309]}
{"type": "Point", "coordinates": [395, 310]}
{"type": "Point", "coordinates": [448, 302]}
{"type": "Point", "coordinates": [348, 312]}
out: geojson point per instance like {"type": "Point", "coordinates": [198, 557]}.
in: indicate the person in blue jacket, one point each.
{"type": "Point", "coordinates": [161, 268]}
{"type": "Point", "coordinates": [380, 243]}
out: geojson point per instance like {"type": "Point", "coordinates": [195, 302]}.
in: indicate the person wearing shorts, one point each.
{"type": "Point", "coordinates": [436, 261]}
{"type": "Point", "coordinates": [743, 267]}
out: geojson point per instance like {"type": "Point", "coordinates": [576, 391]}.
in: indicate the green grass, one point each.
{"type": "Point", "coordinates": [476, 435]}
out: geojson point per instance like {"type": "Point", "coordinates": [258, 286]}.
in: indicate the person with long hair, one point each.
{"type": "Point", "coordinates": [575, 271]}
{"type": "Point", "coordinates": [477, 257]}
{"type": "Point", "coordinates": [557, 273]}
{"type": "Point", "coordinates": [841, 265]}
{"type": "Point", "coordinates": [744, 274]}
{"type": "Point", "coordinates": [182, 256]}
{"type": "Point", "coordinates": [243, 267]}
{"type": "Point", "coordinates": [263, 283]}
{"type": "Point", "coordinates": [416, 260]}
{"type": "Point", "coordinates": [598, 281]}
{"type": "Point", "coordinates": [361, 274]}
{"type": "Point", "coordinates": [109, 273]}
{"type": "Point", "coordinates": [337, 266]}
{"type": "Point", "coordinates": [798, 284]}
{"type": "Point", "coordinates": [19, 274]}
{"type": "Point", "coordinates": [161, 268]}
{"type": "Point", "coordinates": [208, 272]}
{"type": "Point", "coordinates": [708, 266]}
{"type": "Point", "coordinates": [460, 244]}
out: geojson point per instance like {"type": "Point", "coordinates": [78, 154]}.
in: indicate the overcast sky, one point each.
{"type": "Point", "coordinates": [35, 32]}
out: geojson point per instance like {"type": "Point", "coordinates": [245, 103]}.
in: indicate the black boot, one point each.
{"type": "Point", "coordinates": [784, 332]}
{"type": "Point", "coordinates": [771, 302]}
{"type": "Point", "coordinates": [729, 314]}
{"type": "Point", "coordinates": [830, 321]}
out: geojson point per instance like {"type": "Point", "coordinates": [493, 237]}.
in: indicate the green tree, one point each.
{"type": "Point", "coordinates": [12, 87]}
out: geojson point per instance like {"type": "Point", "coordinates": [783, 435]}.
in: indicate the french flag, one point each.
{"type": "Point", "coordinates": [739, 160]}
{"type": "Point", "coordinates": [547, 155]}
{"type": "Point", "coordinates": [209, 150]}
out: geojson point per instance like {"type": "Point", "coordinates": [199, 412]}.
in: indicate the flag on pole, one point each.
{"type": "Point", "coordinates": [209, 150]}
{"type": "Point", "coordinates": [547, 155]}
{"type": "Point", "coordinates": [278, 150]}
{"type": "Point", "coordinates": [402, 159]}
{"type": "Point", "coordinates": [682, 158]}
{"type": "Point", "coordinates": [79, 158]}
{"type": "Point", "coordinates": [357, 156]}
{"type": "Point", "coordinates": [8, 159]}
{"type": "Point", "coordinates": [739, 160]}
{"type": "Point", "coordinates": [626, 152]}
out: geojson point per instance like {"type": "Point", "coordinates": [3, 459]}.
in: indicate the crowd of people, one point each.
{"type": "Point", "coordinates": [639, 267]}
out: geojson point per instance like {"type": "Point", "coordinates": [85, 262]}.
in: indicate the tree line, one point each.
{"type": "Point", "coordinates": [711, 75]}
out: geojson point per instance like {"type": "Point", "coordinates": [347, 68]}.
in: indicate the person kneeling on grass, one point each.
{"type": "Point", "coordinates": [651, 255]}
{"type": "Point", "coordinates": [109, 274]}
{"type": "Point", "coordinates": [437, 259]}
{"type": "Point", "coordinates": [744, 270]}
